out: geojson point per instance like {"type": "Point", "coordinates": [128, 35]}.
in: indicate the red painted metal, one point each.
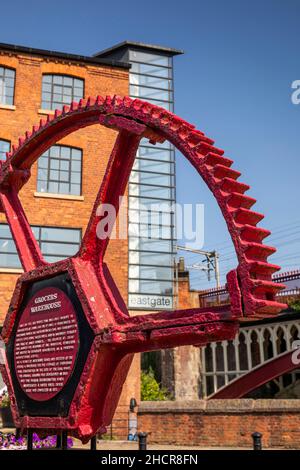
{"type": "Point", "coordinates": [258, 376]}
{"type": "Point", "coordinates": [117, 336]}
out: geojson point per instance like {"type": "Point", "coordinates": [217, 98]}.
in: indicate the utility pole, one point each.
{"type": "Point", "coordinates": [211, 259]}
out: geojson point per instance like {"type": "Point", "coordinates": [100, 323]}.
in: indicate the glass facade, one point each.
{"type": "Point", "coordinates": [152, 193]}
{"type": "Point", "coordinates": [59, 170]}
{"type": "Point", "coordinates": [4, 148]}
{"type": "Point", "coordinates": [56, 244]}
{"type": "Point", "coordinates": [7, 85]}
{"type": "Point", "coordinates": [60, 90]}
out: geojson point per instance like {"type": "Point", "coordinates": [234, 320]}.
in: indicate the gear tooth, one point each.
{"type": "Point", "coordinates": [236, 200]}
{"type": "Point", "coordinates": [245, 216]}
{"type": "Point", "coordinates": [183, 132]}
{"type": "Point", "coordinates": [108, 100]}
{"type": "Point", "coordinates": [164, 118]}
{"type": "Point", "coordinates": [81, 103]}
{"type": "Point", "coordinates": [21, 141]}
{"type": "Point", "coordinates": [251, 233]}
{"type": "Point", "coordinates": [258, 251]}
{"type": "Point", "coordinates": [28, 134]}
{"type": "Point", "coordinates": [175, 124]}
{"type": "Point", "coordinates": [117, 101]}
{"type": "Point", "coordinates": [99, 100]}
{"type": "Point", "coordinates": [127, 101]}
{"type": "Point", "coordinates": [263, 269]}
{"type": "Point", "coordinates": [222, 171]}
{"type": "Point", "coordinates": [262, 287]}
{"type": "Point", "coordinates": [147, 108]}
{"type": "Point", "coordinates": [57, 113]}
{"type": "Point", "coordinates": [230, 185]}
{"type": "Point", "coordinates": [205, 148]}
{"type": "Point", "coordinates": [73, 106]}
{"type": "Point", "coordinates": [65, 109]}
{"type": "Point", "coordinates": [14, 148]}
{"type": "Point", "coordinates": [213, 159]}
{"type": "Point", "coordinates": [155, 112]}
{"type": "Point", "coordinates": [8, 155]}
{"type": "Point", "coordinates": [137, 104]}
{"type": "Point", "coordinates": [269, 307]}
{"type": "Point", "coordinates": [35, 129]}
{"type": "Point", "coordinates": [88, 102]}
{"type": "Point", "coordinates": [108, 104]}
{"type": "Point", "coordinates": [195, 138]}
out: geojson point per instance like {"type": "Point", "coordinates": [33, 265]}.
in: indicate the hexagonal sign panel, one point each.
{"type": "Point", "coordinates": [48, 347]}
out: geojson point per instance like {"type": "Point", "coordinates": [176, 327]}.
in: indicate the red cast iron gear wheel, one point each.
{"type": "Point", "coordinates": [117, 335]}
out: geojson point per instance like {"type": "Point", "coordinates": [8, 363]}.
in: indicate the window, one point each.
{"type": "Point", "coordinates": [59, 170]}
{"type": "Point", "coordinates": [7, 85]}
{"type": "Point", "coordinates": [58, 90]}
{"type": "Point", "coordinates": [56, 244]}
{"type": "Point", "coordinates": [4, 148]}
{"type": "Point", "coordinates": [152, 187]}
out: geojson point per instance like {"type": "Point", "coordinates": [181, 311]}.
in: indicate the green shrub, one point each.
{"type": "Point", "coordinates": [295, 305]}
{"type": "Point", "coordinates": [151, 389]}
{"type": "Point", "coordinates": [4, 400]}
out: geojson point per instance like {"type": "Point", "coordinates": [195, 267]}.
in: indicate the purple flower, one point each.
{"type": "Point", "coordinates": [70, 442]}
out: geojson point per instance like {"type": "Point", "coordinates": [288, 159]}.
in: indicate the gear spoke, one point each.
{"type": "Point", "coordinates": [28, 249]}
{"type": "Point", "coordinates": [112, 189]}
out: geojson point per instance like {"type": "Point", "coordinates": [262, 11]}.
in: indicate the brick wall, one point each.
{"type": "Point", "coordinates": [222, 423]}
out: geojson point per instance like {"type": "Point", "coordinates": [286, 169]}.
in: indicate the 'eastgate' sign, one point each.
{"type": "Point", "coordinates": [150, 302]}
{"type": "Point", "coordinates": [46, 344]}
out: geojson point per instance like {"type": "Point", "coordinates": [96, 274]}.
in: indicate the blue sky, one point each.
{"type": "Point", "coordinates": [233, 83]}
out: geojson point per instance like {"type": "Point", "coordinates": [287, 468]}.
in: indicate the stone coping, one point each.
{"type": "Point", "coordinates": [234, 406]}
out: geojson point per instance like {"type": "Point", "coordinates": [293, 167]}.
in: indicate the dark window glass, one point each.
{"type": "Point", "coordinates": [59, 170]}
{"type": "Point", "coordinates": [56, 244]}
{"type": "Point", "coordinates": [4, 148]}
{"type": "Point", "coordinates": [60, 90]}
{"type": "Point", "coordinates": [7, 85]}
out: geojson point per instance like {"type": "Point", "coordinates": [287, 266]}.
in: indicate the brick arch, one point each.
{"type": "Point", "coordinates": [252, 291]}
